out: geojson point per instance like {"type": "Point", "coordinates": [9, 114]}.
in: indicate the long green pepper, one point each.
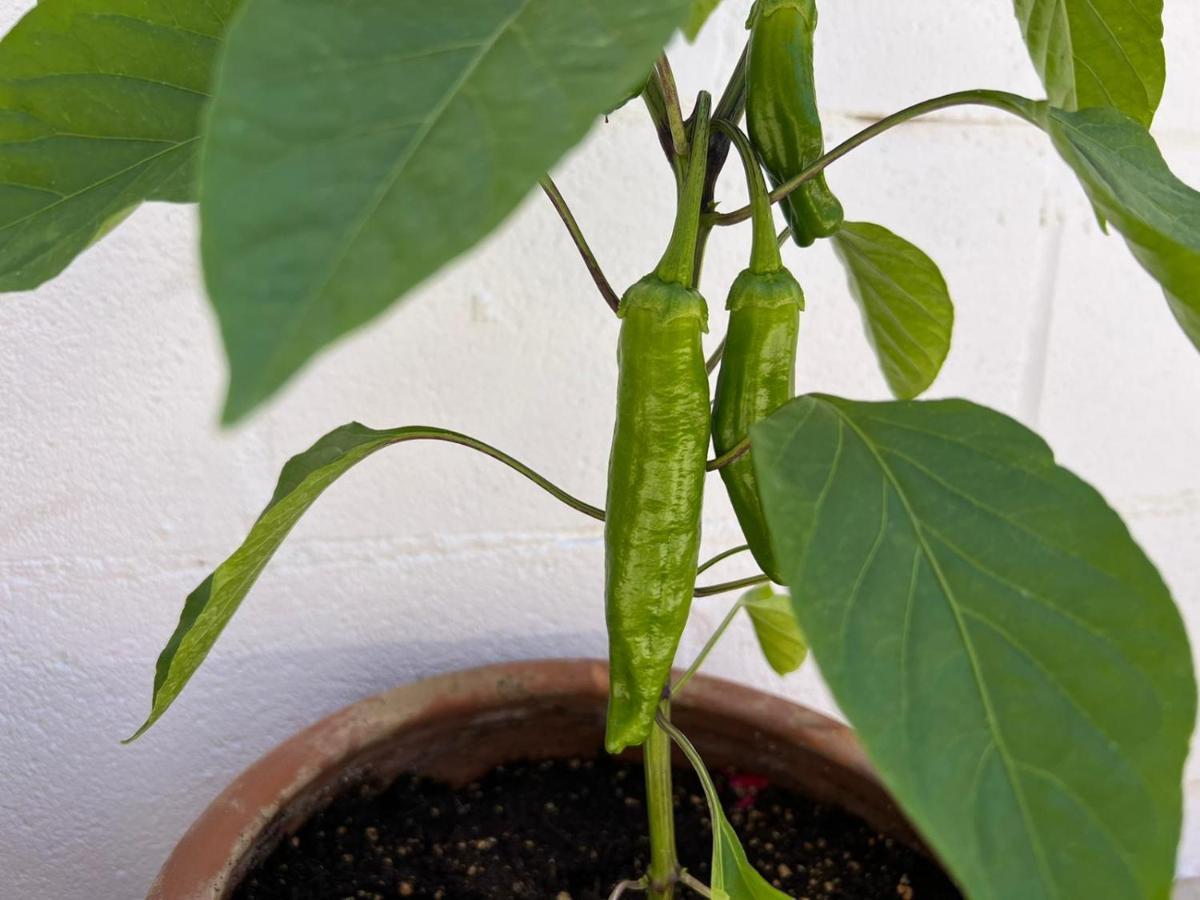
{"type": "Point", "coordinates": [781, 112]}
{"type": "Point", "coordinates": [657, 467]}
{"type": "Point", "coordinates": [758, 368]}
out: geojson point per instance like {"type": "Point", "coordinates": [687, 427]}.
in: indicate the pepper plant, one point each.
{"type": "Point", "coordinates": [1013, 663]}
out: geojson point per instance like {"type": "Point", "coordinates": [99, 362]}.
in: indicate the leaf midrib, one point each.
{"type": "Point", "coordinates": [385, 188]}
{"type": "Point", "coordinates": [1010, 763]}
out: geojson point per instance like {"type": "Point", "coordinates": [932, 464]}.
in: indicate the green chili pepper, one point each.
{"type": "Point", "coordinates": [758, 368]}
{"type": "Point", "coordinates": [656, 471]}
{"type": "Point", "coordinates": [781, 111]}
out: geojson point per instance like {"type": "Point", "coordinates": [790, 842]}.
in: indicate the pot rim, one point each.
{"type": "Point", "coordinates": [209, 854]}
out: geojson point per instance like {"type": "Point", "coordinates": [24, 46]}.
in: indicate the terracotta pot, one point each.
{"type": "Point", "coordinates": [458, 726]}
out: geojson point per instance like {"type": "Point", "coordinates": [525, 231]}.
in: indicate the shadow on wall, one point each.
{"type": "Point", "coordinates": [105, 816]}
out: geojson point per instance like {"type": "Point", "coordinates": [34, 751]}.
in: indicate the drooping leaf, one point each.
{"type": "Point", "coordinates": [906, 306]}
{"type": "Point", "coordinates": [304, 478]}
{"type": "Point", "coordinates": [779, 634]}
{"type": "Point", "coordinates": [1124, 173]}
{"type": "Point", "coordinates": [99, 110]}
{"type": "Point", "coordinates": [355, 148]}
{"type": "Point", "coordinates": [700, 12]}
{"type": "Point", "coordinates": [733, 878]}
{"type": "Point", "coordinates": [1098, 52]}
{"type": "Point", "coordinates": [1013, 663]}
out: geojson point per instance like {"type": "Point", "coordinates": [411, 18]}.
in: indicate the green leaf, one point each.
{"type": "Point", "coordinates": [99, 109]}
{"type": "Point", "coordinates": [1129, 183]}
{"type": "Point", "coordinates": [733, 878]}
{"type": "Point", "coordinates": [779, 634]}
{"type": "Point", "coordinates": [699, 14]}
{"type": "Point", "coordinates": [1013, 663]}
{"type": "Point", "coordinates": [905, 304]}
{"type": "Point", "coordinates": [355, 148]}
{"type": "Point", "coordinates": [1098, 52]}
{"type": "Point", "coordinates": [304, 478]}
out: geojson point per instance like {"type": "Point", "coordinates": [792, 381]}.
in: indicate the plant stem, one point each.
{"type": "Point", "coordinates": [720, 557]}
{"type": "Point", "coordinates": [660, 807]}
{"type": "Point", "coordinates": [713, 589]}
{"type": "Point", "coordinates": [678, 686]}
{"type": "Point", "coordinates": [589, 258]}
{"type": "Point", "coordinates": [996, 99]}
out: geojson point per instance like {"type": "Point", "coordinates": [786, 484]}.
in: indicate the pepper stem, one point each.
{"type": "Point", "coordinates": [764, 251]}
{"type": "Point", "coordinates": [678, 264]}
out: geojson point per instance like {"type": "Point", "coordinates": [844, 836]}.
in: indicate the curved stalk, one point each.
{"type": "Point", "coordinates": [1001, 100]}
{"type": "Point", "coordinates": [665, 79]}
{"type": "Point", "coordinates": [679, 685]}
{"type": "Point", "coordinates": [465, 440]}
{"type": "Point", "coordinates": [715, 360]}
{"type": "Point", "coordinates": [721, 557]}
{"type": "Point", "coordinates": [589, 258]}
{"type": "Point", "coordinates": [713, 589]}
{"type": "Point", "coordinates": [734, 454]}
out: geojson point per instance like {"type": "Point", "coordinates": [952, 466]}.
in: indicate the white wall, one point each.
{"type": "Point", "coordinates": [119, 492]}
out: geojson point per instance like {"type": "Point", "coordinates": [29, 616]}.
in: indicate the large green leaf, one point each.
{"type": "Point", "coordinates": [1012, 661]}
{"type": "Point", "coordinates": [1098, 52]}
{"type": "Point", "coordinates": [99, 109]}
{"type": "Point", "coordinates": [905, 304]}
{"type": "Point", "coordinates": [304, 478]}
{"type": "Point", "coordinates": [1128, 181]}
{"type": "Point", "coordinates": [354, 148]}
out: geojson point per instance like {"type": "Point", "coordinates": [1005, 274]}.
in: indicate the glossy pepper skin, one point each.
{"type": "Point", "coordinates": [656, 469]}
{"type": "Point", "coordinates": [781, 112]}
{"type": "Point", "coordinates": [757, 373]}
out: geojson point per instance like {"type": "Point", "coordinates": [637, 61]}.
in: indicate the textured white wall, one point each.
{"type": "Point", "coordinates": [119, 493]}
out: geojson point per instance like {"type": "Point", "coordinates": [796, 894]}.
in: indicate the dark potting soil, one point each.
{"type": "Point", "coordinates": [569, 830]}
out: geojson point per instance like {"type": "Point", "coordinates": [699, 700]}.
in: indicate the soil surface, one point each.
{"type": "Point", "coordinates": [568, 830]}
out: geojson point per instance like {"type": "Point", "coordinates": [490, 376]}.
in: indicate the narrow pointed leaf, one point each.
{"type": "Point", "coordinates": [777, 629]}
{"type": "Point", "coordinates": [304, 478]}
{"type": "Point", "coordinates": [1012, 661]}
{"type": "Point", "coordinates": [1125, 176]}
{"type": "Point", "coordinates": [354, 148]}
{"type": "Point", "coordinates": [905, 304]}
{"type": "Point", "coordinates": [100, 103]}
{"type": "Point", "coordinates": [733, 877]}
{"type": "Point", "coordinates": [1098, 52]}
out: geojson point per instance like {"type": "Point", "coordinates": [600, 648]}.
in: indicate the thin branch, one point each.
{"type": "Point", "coordinates": [656, 106]}
{"type": "Point", "coordinates": [732, 455]}
{"type": "Point", "coordinates": [713, 589]}
{"type": "Point", "coordinates": [695, 884]}
{"type": "Point", "coordinates": [622, 887]}
{"type": "Point", "coordinates": [995, 99]}
{"type": "Point", "coordinates": [670, 93]}
{"type": "Point", "coordinates": [721, 557]}
{"type": "Point", "coordinates": [421, 433]}
{"type": "Point", "coordinates": [589, 258]}
{"type": "Point", "coordinates": [679, 685]}
{"type": "Point", "coordinates": [715, 359]}
{"type": "Point", "coordinates": [729, 109]}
